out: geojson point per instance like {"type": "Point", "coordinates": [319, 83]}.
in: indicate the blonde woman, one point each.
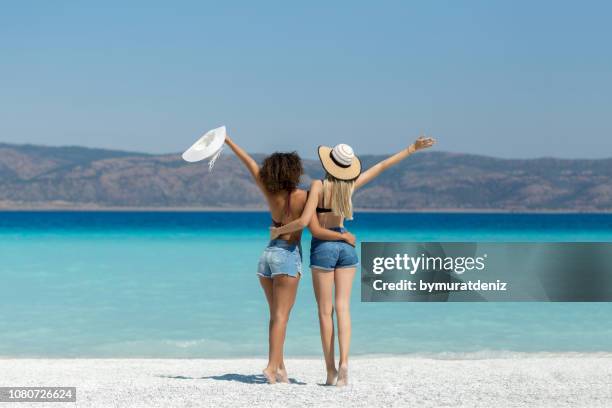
{"type": "Point", "coordinates": [334, 263]}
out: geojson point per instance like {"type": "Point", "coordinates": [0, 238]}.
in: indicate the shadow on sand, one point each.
{"type": "Point", "coordinates": [242, 378]}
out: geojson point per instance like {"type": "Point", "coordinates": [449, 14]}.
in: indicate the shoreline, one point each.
{"type": "Point", "coordinates": [265, 210]}
{"type": "Point", "coordinates": [560, 381]}
{"type": "Point", "coordinates": [434, 355]}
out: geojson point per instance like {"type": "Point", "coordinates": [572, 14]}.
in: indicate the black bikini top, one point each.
{"type": "Point", "coordinates": [287, 211]}
{"type": "Point", "coordinates": [322, 209]}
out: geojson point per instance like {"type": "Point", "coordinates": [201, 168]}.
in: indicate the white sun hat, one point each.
{"type": "Point", "coordinates": [209, 146]}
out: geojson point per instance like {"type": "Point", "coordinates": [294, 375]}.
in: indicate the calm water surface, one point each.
{"type": "Point", "coordinates": [130, 284]}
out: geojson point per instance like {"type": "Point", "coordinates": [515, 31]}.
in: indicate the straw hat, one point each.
{"type": "Point", "coordinates": [340, 161]}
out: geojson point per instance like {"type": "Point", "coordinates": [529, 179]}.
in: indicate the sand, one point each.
{"type": "Point", "coordinates": [529, 380]}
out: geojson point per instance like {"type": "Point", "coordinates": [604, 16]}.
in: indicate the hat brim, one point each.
{"type": "Point", "coordinates": [206, 146]}
{"type": "Point", "coordinates": [342, 173]}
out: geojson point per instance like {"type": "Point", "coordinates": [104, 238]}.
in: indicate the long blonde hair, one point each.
{"type": "Point", "coordinates": [341, 192]}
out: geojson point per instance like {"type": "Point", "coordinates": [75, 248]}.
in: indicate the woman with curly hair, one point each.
{"type": "Point", "coordinates": [280, 265]}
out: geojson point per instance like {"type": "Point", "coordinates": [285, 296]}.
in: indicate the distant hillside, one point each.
{"type": "Point", "coordinates": [76, 177]}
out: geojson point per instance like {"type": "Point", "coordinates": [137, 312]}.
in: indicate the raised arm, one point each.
{"type": "Point", "coordinates": [374, 171]}
{"type": "Point", "coordinates": [245, 158]}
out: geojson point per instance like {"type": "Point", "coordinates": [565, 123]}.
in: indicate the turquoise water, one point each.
{"type": "Point", "coordinates": [184, 285]}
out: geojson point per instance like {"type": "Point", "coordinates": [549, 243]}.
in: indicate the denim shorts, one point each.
{"type": "Point", "coordinates": [280, 258]}
{"type": "Point", "coordinates": [330, 255]}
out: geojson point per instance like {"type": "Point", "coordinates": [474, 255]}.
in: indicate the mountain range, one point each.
{"type": "Point", "coordinates": [41, 177]}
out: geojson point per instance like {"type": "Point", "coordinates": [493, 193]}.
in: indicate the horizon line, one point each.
{"type": "Point", "coordinates": [141, 153]}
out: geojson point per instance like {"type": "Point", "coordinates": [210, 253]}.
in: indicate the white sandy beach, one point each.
{"type": "Point", "coordinates": [537, 380]}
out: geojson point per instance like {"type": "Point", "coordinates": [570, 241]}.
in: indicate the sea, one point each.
{"type": "Point", "coordinates": [183, 285]}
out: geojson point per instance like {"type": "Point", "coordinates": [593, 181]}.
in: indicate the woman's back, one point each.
{"type": "Point", "coordinates": [286, 207]}
{"type": "Point", "coordinates": [326, 216]}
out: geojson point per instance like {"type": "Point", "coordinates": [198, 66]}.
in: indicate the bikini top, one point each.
{"type": "Point", "coordinates": [322, 209]}
{"type": "Point", "coordinates": [287, 211]}
{"type": "Point", "coordinates": [319, 210]}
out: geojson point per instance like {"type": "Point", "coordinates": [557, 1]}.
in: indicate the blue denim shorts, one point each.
{"type": "Point", "coordinates": [280, 258]}
{"type": "Point", "coordinates": [330, 255]}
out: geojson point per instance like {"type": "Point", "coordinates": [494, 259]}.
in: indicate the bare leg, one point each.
{"type": "Point", "coordinates": [284, 289]}
{"type": "Point", "coordinates": [266, 285]}
{"type": "Point", "coordinates": [344, 282]}
{"type": "Point", "coordinates": [281, 374]}
{"type": "Point", "coordinates": [323, 284]}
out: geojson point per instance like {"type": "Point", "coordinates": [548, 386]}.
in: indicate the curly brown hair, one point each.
{"type": "Point", "coordinates": [281, 172]}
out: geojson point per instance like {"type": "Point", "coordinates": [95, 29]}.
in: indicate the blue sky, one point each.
{"type": "Point", "coordinates": [502, 78]}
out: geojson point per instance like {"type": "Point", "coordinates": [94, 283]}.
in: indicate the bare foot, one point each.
{"type": "Point", "coordinates": [342, 376]}
{"type": "Point", "coordinates": [332, 376]}
{"type": "Point", "coordinates": [281, 375]}
{"type": "Point", "coordinates": [270, 375]}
